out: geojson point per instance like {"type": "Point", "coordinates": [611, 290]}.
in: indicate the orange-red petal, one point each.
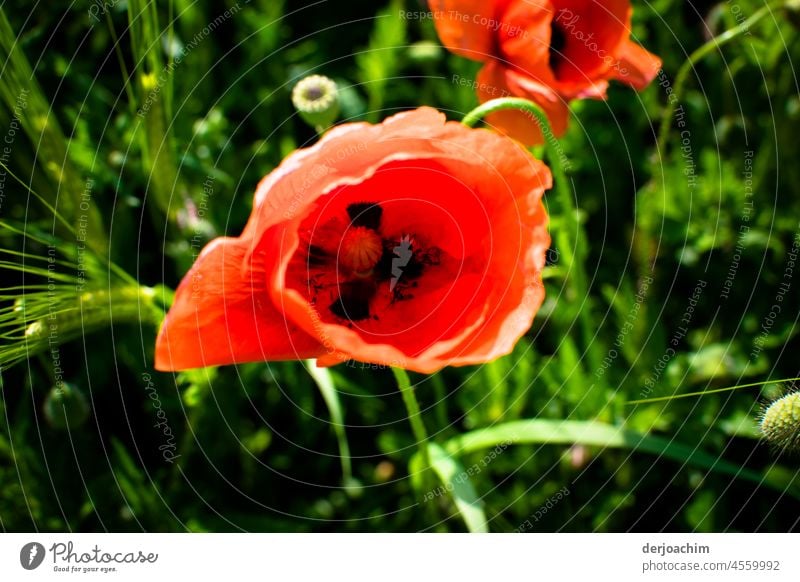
{"type": "Point", "coordinates": [637, 67]}
{"type": "Point", "coordinates": [466, 27]}
{"type": "Point", "coordinates": [495, 79]}
{"type": "Point", "coordinates": [222, 314]}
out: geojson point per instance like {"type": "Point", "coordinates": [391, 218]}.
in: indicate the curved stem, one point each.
{"type": "Point", "coordinates": [573, 253]}
{"type": "Point", "coordinates": [414, 414]}
{"type": "Point", "coordinates": [473, 117]}
{"type": "Point", "coordinates": [698, 55]}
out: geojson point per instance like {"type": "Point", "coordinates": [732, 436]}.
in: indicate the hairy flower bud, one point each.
{"type": "Point", "coordinates": [780, 424]}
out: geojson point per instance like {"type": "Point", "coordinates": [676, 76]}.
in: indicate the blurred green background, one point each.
{"type": "Point", "coordinates": [686, 252]}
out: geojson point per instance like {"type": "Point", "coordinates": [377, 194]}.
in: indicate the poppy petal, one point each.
{"type": "Point", "coordinates": [496, 80]}
{"type": "Point", "coordinates": [524, 37]}
{"type": "Point", "coordinates": [222, 314]}
{"type": "Point", "coordinates": [545, 48]}
{"type": "Point", "coordinates": [466, 27]}
{"type": "Point", "coordinates": [343, 154]}
{"type": "Point", "coordinates": [637, 66]}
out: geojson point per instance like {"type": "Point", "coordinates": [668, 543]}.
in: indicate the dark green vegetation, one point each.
{"type": "Point", "coordinates": [148, 130]}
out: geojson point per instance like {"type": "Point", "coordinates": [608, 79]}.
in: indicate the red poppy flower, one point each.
{"type": "Point", "coordinates": [416, 243]}
{"type": "Point", "coordinates": [549, 51]}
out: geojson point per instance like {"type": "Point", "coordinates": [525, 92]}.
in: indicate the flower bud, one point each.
{"type": "Point", "coordinates": [792, 9]}
{"type": "Point", "coordinates": [65, 407]}
{"type": "Point", "coordinates": [780, 424]}
{"type": "Point", "coordinates": [425, 52]}
{"type": "Point", "coordinates": [316, 99]}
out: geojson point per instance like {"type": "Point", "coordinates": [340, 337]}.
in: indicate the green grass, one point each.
{"type": "Point", "coordinates": [616, 396]}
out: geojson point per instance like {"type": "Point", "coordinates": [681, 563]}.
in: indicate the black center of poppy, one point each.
{"type": "Point", "coordinates": [558, 40]}
{"type": "Point", "coordinates": [366, 214]}
{"type": "Point", "coordinates": [400, 264]}
{"type": "Point", "coordinates": [354, 298]}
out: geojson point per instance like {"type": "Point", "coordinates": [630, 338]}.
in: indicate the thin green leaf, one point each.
{"type": "Point", "coordinates": [456, 480]}
{"type": "Point", "coordinates": [324, 381]}
{"type": "Point", "coordinates": [592, 433]}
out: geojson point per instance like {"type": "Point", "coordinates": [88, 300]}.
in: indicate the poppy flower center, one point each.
{"type": "Point", "coordinates": [361, 250]}
{"type": "Point", "coordinates": [357, 269]}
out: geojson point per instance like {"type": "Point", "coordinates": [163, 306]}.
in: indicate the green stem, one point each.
{"type": "Point", "coordinates": [472, 118]}
{"type": "Point", "coordinates": [698, 55]}
{"type": "Point", "coordinates": [414, 414]}
{"type": "Point", "coordinates": [440, 393]}
{"type": "Point", "coordinates": [154, 124]}
{"type": "Point", "coordinates": [573, 255]}
{"type": "Point", "coordinates": [706, 392]}
{"type": "Point", "coordinates": [121, 60]}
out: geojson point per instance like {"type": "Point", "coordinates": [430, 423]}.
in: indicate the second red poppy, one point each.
{"type": "Point", "coordinates": [548, 51]}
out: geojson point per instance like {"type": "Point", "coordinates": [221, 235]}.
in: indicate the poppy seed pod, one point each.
{"type": "Point", "coordinates": [316, 98]}
{"type": "Point", "coordinates": [416, 243]}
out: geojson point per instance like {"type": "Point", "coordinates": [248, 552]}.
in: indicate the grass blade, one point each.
{"type": "Point", "coordinates": [324, 381]}
{"type": "Point", "coordinates": [380, 61]}
{"type": "Point", "coordinates": [154, 109]}
{"type": "Point", "coordinates": [25, 101]}
{"type": "Point", "coordinates": [592, 433]}
{"type": "Point", "coordinates": [455, 479]}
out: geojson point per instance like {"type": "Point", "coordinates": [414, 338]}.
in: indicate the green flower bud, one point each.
{"type": "Point", "coordinates": [65, 407]}
{"type": "Point", "coordinates": [780, 423]}
{"type": "Point", "coordinates": [425, 52]}
{"type": "Point", "coordinates": [316, 98]}
{"type": "Point", "coordinates": [792, 8]}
